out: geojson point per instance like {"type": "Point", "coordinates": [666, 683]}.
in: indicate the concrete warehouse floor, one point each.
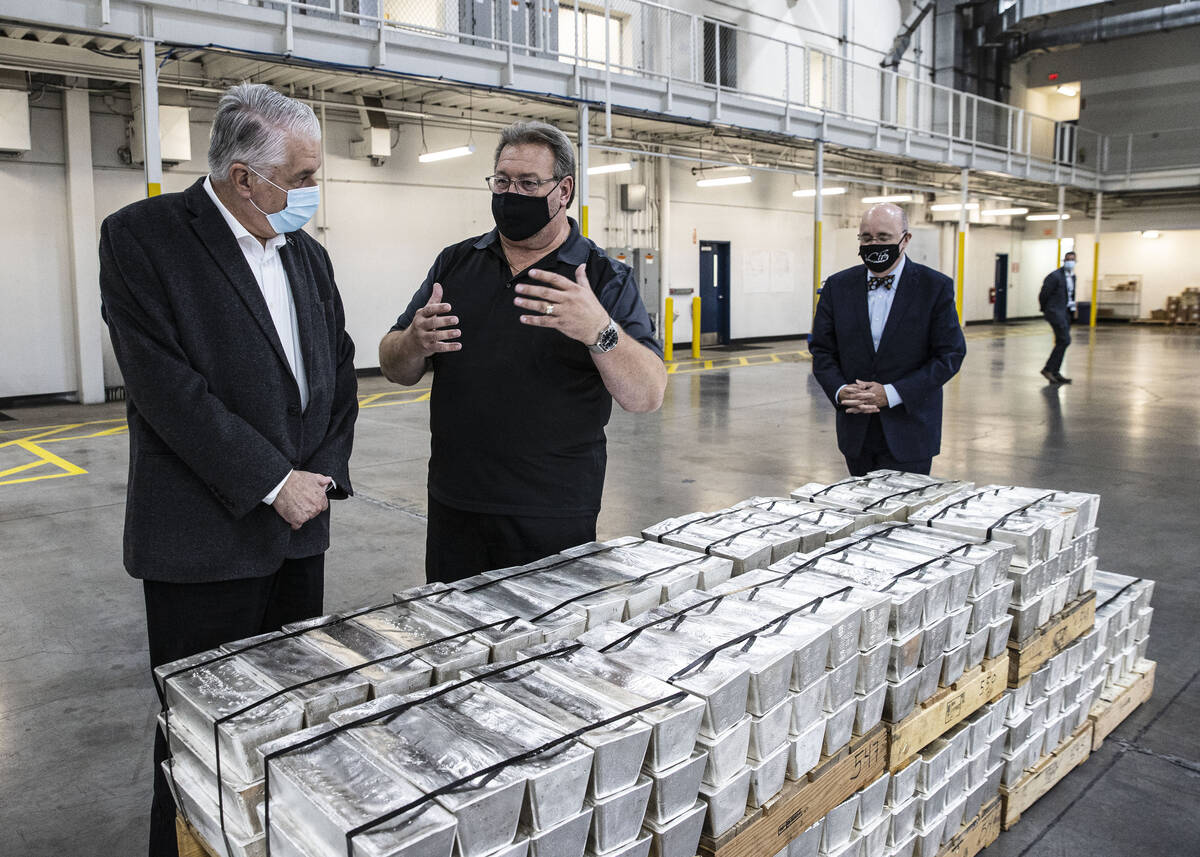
{"type": "Point", "coordinates": [76, 704]}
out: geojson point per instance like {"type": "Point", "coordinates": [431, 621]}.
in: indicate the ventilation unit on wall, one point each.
{"type": "Point", "coordinates": [374, 141]}
{"type": "Point", "coordinates": [174, 135]}
{"type": "Point", "coordinates": [14, 121]}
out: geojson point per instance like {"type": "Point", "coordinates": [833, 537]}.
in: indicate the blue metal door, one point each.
{"type": "Point", "coordinates": [714, 289]}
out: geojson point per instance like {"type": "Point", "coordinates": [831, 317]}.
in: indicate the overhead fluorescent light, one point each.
{"type": "Point", "coordinates": [953, 206]}
{"type": "Point", "coordinates": [724, 181]}
{"type": "Point", "coordinates": [622, 167]}
{"type": "Point", "coordinates": [1046, 217]}
{"type": "Point", "coordinates": [825, 191]}
{"type": "Point", "coordinates": [895, 197]}
{"type": "Point", "coordinates": [446, 154]}
{"type": "Point", "coordinates": [1067, 90]}
{"type": "Point", "coordinates": [1001, 212]}
{"type": "Point", "coordinates": [1151, 233]}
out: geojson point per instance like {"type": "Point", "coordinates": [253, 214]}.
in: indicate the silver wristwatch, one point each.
{"type": "Point", "coordinates": [607, 340]}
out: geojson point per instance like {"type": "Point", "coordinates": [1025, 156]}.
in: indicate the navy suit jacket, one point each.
{"type": "Point", "coordinates": [1053, 297]}
{"type": "Point", "coordinates": [214, 412]}
{"type": "Point", "coordinates": [921, 348]}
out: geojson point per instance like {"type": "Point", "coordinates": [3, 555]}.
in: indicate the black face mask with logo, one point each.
{"type": "Point", "coordinates": [879, 257]}
{"type": "Point", "coordinates": [519, 216]}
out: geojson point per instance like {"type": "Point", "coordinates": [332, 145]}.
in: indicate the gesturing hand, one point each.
{"type": "Point", "coordinates": [302, 497]}
{"type": "Point", "coordinates": [434, 330]}
{"type": "Point", "coordinates": [566, 306]}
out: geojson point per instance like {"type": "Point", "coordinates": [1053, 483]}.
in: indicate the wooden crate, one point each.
{"type": "Point", "coordinates": [1027, 657]}
{"type": "Point", "coordinates": [946, 708]}
{"type": "Point", "coordinates": [977, 834]}
{"type": "Point", "coordinates": [1115, 704]}
{"type": "Point", "coordinates": [1069, 755]}
{"type": "Point", "coordinates": [191, 843]}
{"type": "Point", "coordinates": [769, 829]}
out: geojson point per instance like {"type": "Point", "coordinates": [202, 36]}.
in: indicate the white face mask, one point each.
{"type": "Point", "coordinates": [302, 203]}
{"type": "Point", "coordinates": [1069, 265]}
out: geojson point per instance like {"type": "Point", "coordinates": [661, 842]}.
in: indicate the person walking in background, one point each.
{"type": "Point", "coordinates": [1057, 302]}
{"type": "Point", "coordinates": [885, 339]}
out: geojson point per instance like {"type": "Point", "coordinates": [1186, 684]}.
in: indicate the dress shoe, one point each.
{"type": "Point", "coordinates": [1052, 377]}
{"type": "Point", "coordinates": [1060, 379]}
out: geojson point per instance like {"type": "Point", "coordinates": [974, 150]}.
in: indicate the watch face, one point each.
{"type": "Point", "coordinates": [608, 339]}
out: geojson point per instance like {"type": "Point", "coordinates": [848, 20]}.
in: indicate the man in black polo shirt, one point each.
{"type": "Point", "coordinates": [531, 332]}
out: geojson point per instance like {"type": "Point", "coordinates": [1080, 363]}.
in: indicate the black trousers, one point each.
{"type": "Point", "coordinates": [460, 544]}
{"type": "Point", "coordinates": [1061, 325]}
{"type": "Point", "coordinates": [186, 618]}
{"type": "Point", "coordinates": [875, 455]}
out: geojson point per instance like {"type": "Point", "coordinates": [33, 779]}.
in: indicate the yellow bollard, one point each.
{"type": "Point", "coordinates": [696, 328]}
{"type": "Point", "coordinates": [669, 330]}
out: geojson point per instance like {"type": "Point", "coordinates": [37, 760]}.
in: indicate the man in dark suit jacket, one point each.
{"type": "Point", "coordinates": [885, 339]}
{"type": "Point", "coordinates": [241, 391]}
{"type": "Point", "coordinates": [1057, 302]}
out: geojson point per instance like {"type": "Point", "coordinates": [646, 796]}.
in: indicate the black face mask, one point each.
{"type": "Point", "coordinates": [519, 216]}
{"type": "Point", "coordinates": [879, 257]}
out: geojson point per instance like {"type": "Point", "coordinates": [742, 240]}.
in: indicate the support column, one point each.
{"type": "Point", "coordinates": [1095, 260]}
{"type": "Point", "coordinates": [81, 232]}
{"type": "Point", "coordinates": [664, 237]}
{"type": "Point", "coordinates": [818, 205]}
{"type": "Point", "coordinates": [584, 161]}
{"type": "Point", "coordinates": [150, 141]}
{"type": "Point", "coordinates": [1062, 192]}
{"type": "Point", "coordinates": [961, 258]}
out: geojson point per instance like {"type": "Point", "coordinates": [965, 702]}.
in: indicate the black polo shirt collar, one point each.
{"type": "Point", "coordinates": [574, 251]}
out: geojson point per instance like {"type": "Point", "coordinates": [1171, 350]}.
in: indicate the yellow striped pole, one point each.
{"type": "Point", "coordinates": [1096, 261]}
{"type": "Point", "coordinates": [669, 330]}
{"type": "Point", "coordinates": [960, 275]}
{"type": "Point", "coordinates": [696, 328]}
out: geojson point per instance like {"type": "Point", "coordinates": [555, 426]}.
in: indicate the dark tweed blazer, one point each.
{"type": "Point", "coordinates": [214, 411]}
{"type": "Point", "coordinates": [921, 348]}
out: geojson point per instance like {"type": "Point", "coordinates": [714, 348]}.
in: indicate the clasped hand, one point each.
{"type": "Point", "coordinates": [863, 397]}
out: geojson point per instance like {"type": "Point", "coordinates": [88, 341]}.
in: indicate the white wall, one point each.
{"type": "Point", "coordinates": [1160, 261]}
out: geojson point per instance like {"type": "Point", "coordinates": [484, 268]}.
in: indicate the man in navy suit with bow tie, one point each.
{"type": "Point", "coordinates": [885, 339]}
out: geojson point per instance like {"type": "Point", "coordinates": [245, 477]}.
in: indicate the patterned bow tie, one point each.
{"type": "Point", "coordinates": [874, 283]}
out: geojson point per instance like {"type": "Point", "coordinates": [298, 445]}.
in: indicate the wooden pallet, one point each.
{"type": "Point", "coordinates": [191, 843]}
{"type": "Point", "coordinates": [977, 834]}
{"type": "Point", "coordinates": [1069, 755]}
{"type": "Point", "coordinates": [769, 829]}
{"type": "Point", "coordinates": [1117, 703]}
{"type": "Point", "coordinates": [946, 708]}
{"type": "Point", "coordinates": [1027, 657]}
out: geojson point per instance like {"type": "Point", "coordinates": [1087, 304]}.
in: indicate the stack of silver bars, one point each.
{"type": "Point", "coordinates": [621, 697]}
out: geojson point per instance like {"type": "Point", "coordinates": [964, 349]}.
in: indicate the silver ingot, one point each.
{"type": "Point", "coordinates": [868, 710]}
{"type": "Point", "coordinates": [769, 732]}
{"type": "Point", "coordinates": [197, 807]}
{"type": "Point", "coordinates": [904, 819]}
{"type": "Point", "coordinates": [726, 752]}
{"type": "Point", "coordinates": [953, 665]}
{"type": "Point", "coordinates": [838, 727]}
{"type": "Point", "coordinates": [804, 750]}
{"type": "Point", "coordinates": [566, 839]}
{"type": "Point", "coordinates": [929, 675]}
{"type": "Point", "coordinates": [808, 705]}
{"type": "Point", "coordinates": [840, 684]}
{"type": "Point", "coordinates": [407, 629]}
{"type": "Point", "coordinates": [767, 777]}
{"type": "Point", "coordinates": [674, 790]}
{"type": "Point", "coordinates": [873, 667]}
{"type": "Point", "coordinates": [352, 644]}
{"type": "Point", "coordinates": [904, 655]}
{"type": "Point", "coordinates": [726, 803]}
{"type": "Point", "coordinates": [335, 785]}
{"type": "Point", "coordinates": [900, 697]}
{"type": "Point", "coordinates": [674, 725]}
{"type": "Point", "coordinates": [617, 819]}
{"type": "Point", "coordinates": [240, 798]}
{"type": "Point", "coordinates": [679, 837]}
{"type": "Point", "coordinates": [839, 824]}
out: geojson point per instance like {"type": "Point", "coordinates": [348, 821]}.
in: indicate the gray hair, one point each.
{"type": "Point", "coordinates": [252, 126]}
{"type": "Point", "coordinates": [541, 134]}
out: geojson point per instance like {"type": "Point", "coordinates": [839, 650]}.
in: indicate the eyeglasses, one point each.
{"type": "Point", "coordinates": [502, 184]}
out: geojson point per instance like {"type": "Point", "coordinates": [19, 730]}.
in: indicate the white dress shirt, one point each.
{"type": "Point", "coordinates": [879, 306]}
{"type": "Point", "coordinates": [272, 280]}
{"type": "Point", "coordinates": [1070, 290]}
